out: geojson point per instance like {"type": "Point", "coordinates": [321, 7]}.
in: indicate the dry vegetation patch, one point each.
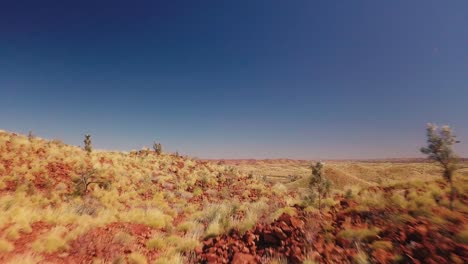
{"type": "Point", "coordinates": [157, 207]}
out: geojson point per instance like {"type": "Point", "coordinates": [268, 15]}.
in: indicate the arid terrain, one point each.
{"type": "Point", "coordinates": [61, 204]}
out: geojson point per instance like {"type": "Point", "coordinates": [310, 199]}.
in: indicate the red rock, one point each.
{"type": "Point", "coordinates": [211, 258]}
{"type": "Point", "coordinates": [297, 223]}
{"type": "Point", "coordinates": [285, 218]}
{"type": "Point", "coordinates": [279, 233]}
{"type": "Point", "coordinates": [343, 242]}
{"type": "Point", "coordinates": [249, 238]}
{"type": "Point", "coordinates": [241, 258]}
{"type": "Point", "coordinates": [219, 251]}
{"type": "Point", "coordinates": [245, 250]}
{"type": "Point", "coordinates": [285, 227]}
{"type": "Point", "coordinates": [208, 242]}
{"type": "Point", "coordinates": [382, 256]}
{"type": "Point", "coordinates": [270, 238]}
{"type": "Point", "coordinates": [296, 259]}
{"type": "Point", "coordinates": [402, 236]}
{"type": "Point", "coordinates": [199, 250]}
{"type": "Point", "coordinates": [422, 230]}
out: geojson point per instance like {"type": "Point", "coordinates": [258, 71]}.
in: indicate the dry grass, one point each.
{"type": "Point", "coordinates": [181, 200]}
{"type": "Point", "coordinates": [36, 186]}
{"type": "Point", "coordinates": [344, 173]}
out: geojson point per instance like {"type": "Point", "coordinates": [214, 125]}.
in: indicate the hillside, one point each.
{"type": "Point", "coordinates": [141, 207]}
{"type": "Point", "coordinates": [157, 206]}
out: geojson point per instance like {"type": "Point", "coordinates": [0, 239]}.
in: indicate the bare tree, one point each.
{"type": "Point", "coordinates": [86, 178]}
{"type": "Point", "coordinates": [440, 142]}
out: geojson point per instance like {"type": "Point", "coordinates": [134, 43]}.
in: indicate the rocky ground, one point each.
{"type": "Point", "coordinates": [346, 234]}
{"type": "Point", "coordinates": [165, 208]}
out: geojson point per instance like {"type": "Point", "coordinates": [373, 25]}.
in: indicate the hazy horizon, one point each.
{"type": "Point", "coordinates": [244, 79]}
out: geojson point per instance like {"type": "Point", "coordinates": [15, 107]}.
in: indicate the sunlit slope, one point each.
{"type": "Point", "coordinates": [150, 207]}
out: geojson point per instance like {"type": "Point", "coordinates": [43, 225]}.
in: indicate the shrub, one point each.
{"type": "Point", "coordinates": [87, 141]}
{"type": "Point", "coordinates": [30, 136]}
{"type": "Point", "coordinates": [319, 185]}
{"type": "Point", "coordinates": [157, 148]}
{"type": "Point", "coordinates": [439, 149]}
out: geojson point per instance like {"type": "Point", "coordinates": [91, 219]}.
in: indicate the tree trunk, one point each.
{"type": "Point", "coordinates": [452, 192]}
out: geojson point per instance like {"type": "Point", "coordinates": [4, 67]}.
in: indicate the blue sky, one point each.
{"type": "Point", "coordinates": [237, 79]}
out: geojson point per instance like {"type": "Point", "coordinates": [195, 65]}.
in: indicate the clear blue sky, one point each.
{"type": "Point", "coordinates": [237, 79]}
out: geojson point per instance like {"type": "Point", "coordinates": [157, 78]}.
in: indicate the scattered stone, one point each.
{"type": "Point", "coordinates": [284, 237]}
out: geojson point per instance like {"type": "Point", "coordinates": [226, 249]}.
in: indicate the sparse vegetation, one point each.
{"type": "Point", "coordinates": [171, 205]}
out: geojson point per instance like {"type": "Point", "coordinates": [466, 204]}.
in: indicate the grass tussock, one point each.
{"type": "Point", "coordinates": [51, 242]}
{"type": "Point", "coordinates": [364, 234]}
{"type": "Point", "coordinates": [6, 246]}
{"type": "Point", "coordinates": [137, 258]}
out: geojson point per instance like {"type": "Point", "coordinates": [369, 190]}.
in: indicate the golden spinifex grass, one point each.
{"type": "Point", "coordinates": [158, 207]}
{"type": "Point", "coordinates": [169, 194]}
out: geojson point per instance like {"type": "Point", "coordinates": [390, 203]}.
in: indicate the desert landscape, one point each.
{"type": "Point", "coordinates": [70, 204]}
{"type": "Point", "coordinates": [243, 132]}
